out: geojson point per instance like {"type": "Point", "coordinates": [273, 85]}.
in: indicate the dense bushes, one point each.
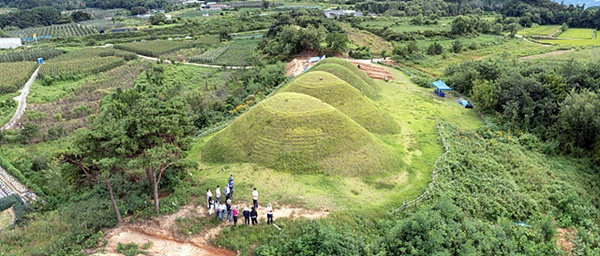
{"type": "Point", "coordinates": [19, 176]}
{"type": "Point", "coordinates": [14, 201]}
{"type": "Point", "coordinates": [547, 99]}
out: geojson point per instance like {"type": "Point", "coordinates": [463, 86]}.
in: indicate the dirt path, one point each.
{"type": "Point", "coordinates": [193, 64]}
{"type": "Point", "coordinates": [22, 99]}
{"type": "Point", "coordinates": [524, 38]}
{"type": "Point", "coordinates": [548, 54]}
{"type": "Point", "coordinates": [162, 232]}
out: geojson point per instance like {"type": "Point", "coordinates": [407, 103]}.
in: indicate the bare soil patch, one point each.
{"type": "Point", "coordinates": [162, 231]}
{"type": "Point", "coordinates": [564, 239]}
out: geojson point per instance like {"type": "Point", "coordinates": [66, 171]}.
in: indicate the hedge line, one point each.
{"type": "Point", "coordinates": [19, 176]}
{"type": "Point", "coordinates": [12, 200]}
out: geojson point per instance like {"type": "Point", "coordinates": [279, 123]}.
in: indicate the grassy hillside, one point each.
{"type": "Point", "coordinates": [352, 68]}
{"type": "Point", "coordinates": [298, 133]}
{"type": "Point", "coordinates": [345, 98]}
{"type": "Point", "coordinates": [348, 76]}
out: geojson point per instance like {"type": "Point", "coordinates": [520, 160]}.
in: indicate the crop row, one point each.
{"type": "Point", "coordinates": [158, 47]}
{"type": "Point", "coordinates": [75, 69]}
{"type": "Point", "coordinates": [30, 54]}
{"type": "Point", "coordinates": [14, 75]}
{"type": "Point", "coordinates": [210, 56]}
{"type": "Point", "coordinates": [238, 53]}
{"type": "Point", "coordinates": [63, 30]}
{"type": "Point", "coordinates": [88, 53]}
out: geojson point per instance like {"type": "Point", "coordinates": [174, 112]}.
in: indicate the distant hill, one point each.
{"type": "Point", "coordinates": [588, 3]}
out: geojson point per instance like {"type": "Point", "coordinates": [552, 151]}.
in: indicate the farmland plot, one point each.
{"type": "Point", "coordinates": [159, 47]}
{"type": "Point", "coordinates": [63, 30]}
{"type": "Point", "coordinates": [539, 31]}
{"type": "Point", "coordinates": [578, 33]}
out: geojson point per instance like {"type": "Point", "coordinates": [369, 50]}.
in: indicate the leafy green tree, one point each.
{"type": "Point", "coordinates": [29, 132]}
{"type": "Point", "coordinates": [138, 10]}
{"type": "Point", "coordinates": [512, 29]}
{"type": "Point", "coordinates": [497, 29]}
{"type": "Point", "coordinates": [579, 121]}
{"type": "Point", "coordinates": [457, 46]}
{"type": "Point", "coordinates": [461, 25]}
{"type": "Point", "coordinates": [485, 93]}
{"type": "Point", "coordinates": [337, 42]}
{"type": "Point", "coordinates": [435, 49]}
{"type": "Point", "coordinates": [158, 18]}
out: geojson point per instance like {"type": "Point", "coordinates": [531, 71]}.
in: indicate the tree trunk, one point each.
{"type": "Point", "coordinates": [112, 200]}
{"type": "Point", "coordinates": [155, 187]}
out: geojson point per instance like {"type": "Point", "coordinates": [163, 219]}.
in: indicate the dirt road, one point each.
{"type": "Point", "coordinates": [22, 99]}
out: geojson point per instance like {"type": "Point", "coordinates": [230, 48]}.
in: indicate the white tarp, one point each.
{"type": "Point", "coordinates": [6, 43]}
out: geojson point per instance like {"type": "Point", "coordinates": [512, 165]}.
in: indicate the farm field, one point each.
{"type": "Point", "coordinates": [79, 63]}
{"type": "Point", "coordinates": [577, 33]}
{"type": "Point", "coordinates": [235, 53]}
{"type": "Point", "coordinates": [30, 54]}
{"type": "Point", "coordinates": [573, 42]}
{"type": "Point", "coordinates": [63, 30]}
{"type": "Point", "coordinates": [401, 25]}
{"type": "Point", "coordinates": [490, 46]}
{"type": "Point", "coordinates": [158, 47]}
{"type": "Point", "coordinates": [359, 37]}
{"type": "Point", "coordinates": [417, 143]}
{"type": "Point", "coordinates": [581, 55]}
{"type": "Point", "coordinates": [546, 30]}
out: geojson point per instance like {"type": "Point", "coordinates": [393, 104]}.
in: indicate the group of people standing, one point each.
{"type": "Point", "coordinates": [226, 211]}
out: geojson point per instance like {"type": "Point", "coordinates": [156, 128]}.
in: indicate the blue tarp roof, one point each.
{"type": "Point", "coordinates": [441, 85]}
{"type": "Point", "coordinates": [314, 59]}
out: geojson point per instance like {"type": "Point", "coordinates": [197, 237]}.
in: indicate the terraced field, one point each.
{"type": "Point", "coordinates": [578, 33]}
{"type": "Point", "coordinates": [539, 31]}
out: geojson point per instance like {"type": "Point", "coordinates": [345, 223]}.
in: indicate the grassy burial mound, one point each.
{"type": "Point", "coordinates": [347, 99]}
{"type": "Point", "coordinates": [348, 76]}
{"type": "Point", "coordinates": [301, 134]}
{"type": "Point", "coordinates": [352, 68]}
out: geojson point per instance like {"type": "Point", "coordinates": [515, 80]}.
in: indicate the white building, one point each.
{"type": "Point", "coordinates": [6, 43]}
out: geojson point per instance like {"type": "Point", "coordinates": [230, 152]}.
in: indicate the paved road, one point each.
{"type": "Point", "coordinates": [22, 99]}
{"type": "Point", "coordinates": [194, 64]}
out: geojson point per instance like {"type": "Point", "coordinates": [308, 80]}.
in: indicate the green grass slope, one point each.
{"type": "Point", "coordinates": [352, 68]}
{"type": "Point", "coordinates": [348, 76]}
{"type": "Point", "coordinates": [300, 134]}
{"type": "Point", "coordinates": [347, 99]}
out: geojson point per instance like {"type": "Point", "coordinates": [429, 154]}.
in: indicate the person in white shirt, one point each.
{"type": "Point", "coordinates": [222, 211]}
{"type": "Point", "coordinates": [255, 198]}
{"type": "Point", "coordinates": [227, 192]}
{"type": "Point", "coordinates": [269, 214]}
{"type": "Point", "coordinates": [208, 197]}
{"type": "Point", "coordinates": [218, 194]}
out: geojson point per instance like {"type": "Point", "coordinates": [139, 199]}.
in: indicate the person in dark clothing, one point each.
{"type": "Point", "coordinates": [228, 207]}
{"type": "Point", "coordinates": [254, 216]}
{"type": "Point", "coordinates": [246, 214]}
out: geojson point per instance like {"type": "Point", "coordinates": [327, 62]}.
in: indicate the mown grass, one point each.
{"type": "Point", "coordinates": [300, 134]}
{"type": "Point", "coordinates": [350, 67]}
{"type": "Point", "coordinates": [418, 145]}
{"type": "Point", "coordinates": [577, 33]}
{"type": "Point", "coordinates": [348, 76]}
{"type": "Point", "coordinates": [344, 97]}
{"type": "Point", "coordinates": [573, 42]}
{"type": "Point", "coordinates": [545, 30]}
{"type": "Point", "coordinates": [582, 55]}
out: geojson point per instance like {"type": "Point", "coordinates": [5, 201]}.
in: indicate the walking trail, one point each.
{"type": "Point", "coordinates": [166, 240]}
{"type": "Point", "coordinates": [22, 99]}
{"type": "Point", "coordinates": [194, 64]}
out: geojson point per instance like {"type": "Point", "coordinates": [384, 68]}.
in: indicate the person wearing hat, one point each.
{"type": "Point", "coordinates": [246, 214]}
{"type": "Point", "coordinates": [228, 207]}
{"type": "Point", "coordinates": [235, 215]}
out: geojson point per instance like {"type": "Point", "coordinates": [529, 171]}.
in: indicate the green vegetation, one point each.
{"type": "Point", "coordinates": [345, 98]}
{"type": "Point", "coordinates": [30, 54]}
{"type": "Point", "coordinates": [77, 64]}
{"type": "Point", "coordinates": [300, 134]}
{"type": "Point", "coordinates": [63, 30]}
{"type": "Point", "coordinates": [238, 52]}
{"type": "Point", "coordinates": [547, 30]}
{"type": "Point", "coordinates": [352, 68]}
{"type": "Point", "coordinates": [159, 47]}
{"type": "Point", "coordinates": [14, 75]}
{"type": "Point", "coordinates": [573, 42]}
{"type": "Point", "coordinates": [210, 56]}
{"type": "Point", "coordinates": [578, 33]}
{"type": "Point", "coordinates": [348, 76]}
